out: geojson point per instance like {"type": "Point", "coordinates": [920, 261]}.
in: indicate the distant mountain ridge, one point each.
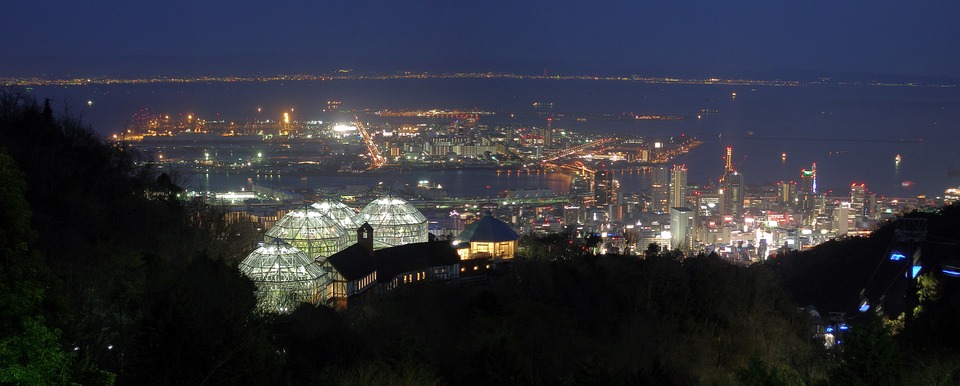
{"type": "Point", "coordinates": [133, 66]}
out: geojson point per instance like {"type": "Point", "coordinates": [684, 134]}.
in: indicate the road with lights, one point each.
{"type": "Point", "coordinates": [376, 159]}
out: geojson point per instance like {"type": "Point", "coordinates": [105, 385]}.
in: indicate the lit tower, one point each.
{"type": "Point", "coordinates": [659, 190]}
{"type": "Point", "coordinates": [814, 177]}
{"type": "Point", "coordinates": [858, 197]}
{"type": "Point", "coordinates": [731, 185]}
{"type": "Point", "coordinates": [808, 187]}
{"type": "Point", "coordinates": [678, 186]}
{"type": "Point", "coordinates": [603, 189]}
{"type": "Point", "coordinates": [787, 192]}
{"type": "Point", "coordinates": [806, 181]}
{"type": "Point", "coordinates": [548, 134]}
{"type": "Point", "coordinates": [729, 160]}
{"type": "Point", "coordinates": [733, 193]}
{"type": "Point", "coordinates": [682, 228]}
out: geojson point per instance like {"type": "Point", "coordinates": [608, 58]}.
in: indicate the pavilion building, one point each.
{"type": "Point", "coordinates": [487, 237]}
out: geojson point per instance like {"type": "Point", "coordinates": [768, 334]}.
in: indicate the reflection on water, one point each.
{"type": "Point", "coordinates": [849, 132]}
{"type": "Point", "coordinates": [458, 183]}
{"type": "Point", "coordinates": [478, 183]}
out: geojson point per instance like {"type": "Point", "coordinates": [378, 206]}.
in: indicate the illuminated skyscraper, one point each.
{"type": "Point", "coordinates": [659, 190]}
{"type": "Point", "coordinates": [808, 180]}
{"type": "Point", "coordinates": [808, 188]}
{"type": "Point", "coordinates": [814, 177]}
{"type": "Point", "coordinates": [858, 199]}
{"type": "Point", "coordinates": [708, 204]}
{"type": "Point", "coordinates": [787, 193]}
{"type": "Point", "coordinates": [548, 134]}
{"type": "Point", "coordinates": [678, 187]}
{"type": "Point", "coordinates": [871, 206]}
{"type": "Point", "coordinates": [729, 161]}
{"type": "Point", "coordinates": [603, 189]}
{"type": "Point", "coordinates": [731, 186]}
{"type": "Point", "coordinates": [733, 193]}
{"type": "Point", "coordinates": [841, 219]}
{"type": "Point", "coordinates": [682, 228]}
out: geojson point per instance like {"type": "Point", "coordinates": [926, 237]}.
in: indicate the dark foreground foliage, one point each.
{"type": "Point", "coordinates": [106, 277]}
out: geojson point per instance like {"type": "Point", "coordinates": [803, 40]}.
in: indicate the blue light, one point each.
{"type": "Point", "coordinates": [916, 271]}
{"type": "Point", "coordinates": [844, 327]}
{"type": "Point", "coordinates": [830, 329]}
{"type": "Point", "coordinates": [864, 307]}
{"type": "Point", "coordinates": [950, 272]}
{"type": "Point", "coordinates": [897, 256]}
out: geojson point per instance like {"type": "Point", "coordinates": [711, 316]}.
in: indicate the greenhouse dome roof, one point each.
{"type": "Point", "coordinates": [305, 224]}
{"type": "Point", "coordinates": [339, 212]}
{"type": "Point", "coordinates": [279, 262]}
{"type": "Point", "coordinates": [390, 210]}
{"type": "Point", "coordinates": [315, 233]}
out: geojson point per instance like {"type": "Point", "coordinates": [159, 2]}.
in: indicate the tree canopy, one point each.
{"type": "Point", "coordinates": [108, 277]}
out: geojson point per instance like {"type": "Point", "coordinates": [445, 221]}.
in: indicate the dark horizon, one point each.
{"type": "Point", "coordinates": [698, 37]}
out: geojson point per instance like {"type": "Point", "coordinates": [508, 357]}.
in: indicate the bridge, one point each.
{"type": "Point", "coordinates": [575, 167]}
{"type": "Point", "coordinates": [576, 149]}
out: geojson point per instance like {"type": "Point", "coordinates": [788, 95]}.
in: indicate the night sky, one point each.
{"type": "Point", "coordinates": [697, 37]}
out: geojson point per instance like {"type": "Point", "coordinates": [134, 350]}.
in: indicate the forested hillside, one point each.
{"type": "Point", "coordinates": [108, 277]}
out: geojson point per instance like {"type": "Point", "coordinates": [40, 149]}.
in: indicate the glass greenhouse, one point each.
{"type": "Point", "coordinates": [395, 222]}
{"type": "Point", "coordinates": [339, 212]}
{"type": "Point", "coordinates": [313, 232]}
{"type": "Point", "coordinates": [285, 276]}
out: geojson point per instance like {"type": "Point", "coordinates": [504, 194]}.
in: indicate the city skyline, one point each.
{"type": "Point", "coordinates": [697, 38]}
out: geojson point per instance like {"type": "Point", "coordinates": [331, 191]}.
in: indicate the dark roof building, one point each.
{"type": "Point", "coordinates": [488, 228]}
{"type": "Point", "coordinates": [359, 267]}
{"type": "Point", "coordinates": [487, 237]}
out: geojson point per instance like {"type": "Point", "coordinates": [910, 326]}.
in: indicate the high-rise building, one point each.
{"type": "Point", "coordinates": [548, 134]}
{"type": "Point", "coordinates": [603, 189]}
{"type": "Point", "coordinates": [841, 219]}
{"type": "Point", "coordinates": [572, 214]}
{"type": "Point", "coordinates": [729, 161]}
{"type": "Point", "coordinates": [682, 228]}
{"type": "Point", "coordinates": [871, 206]}
{"type": "Point", "coordinates": [678, 187]}
{"type": "Point", "coordinates": [808, 180]}
{"type": "Point", "coordinates": [731, 187]}
{"type": "Point", "coordinates": [709, 204]}
{"type": "Point", "coordinates": [733, 193]}
{"type": "Point", "coordinates": [659, 190]}
{"type": "Point", "coordinates": [786, 193]}
{"type": "Point", "coordinates": [808, 189]}
{"type": "Point", "coordinates": [858, 199]}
